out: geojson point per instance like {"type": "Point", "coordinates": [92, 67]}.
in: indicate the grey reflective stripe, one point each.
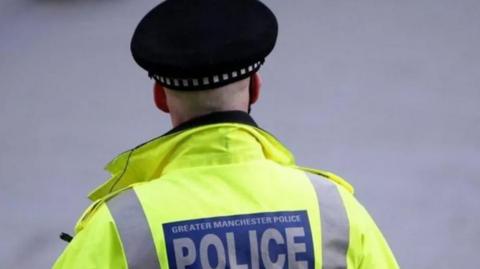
{"type": "Point", "coordinates": [135, 234]}
{"type": "Point", "coordinates": [335, 226]}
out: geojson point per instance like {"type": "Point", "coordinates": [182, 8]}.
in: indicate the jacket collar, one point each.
{"type": "Point", "coordinates": [216, 117]}
{"type": "Point", "coordinates": [203, 135]}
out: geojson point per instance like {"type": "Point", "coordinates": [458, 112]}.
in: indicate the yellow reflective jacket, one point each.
{"type": "Point", "coordinates": [218, 192]}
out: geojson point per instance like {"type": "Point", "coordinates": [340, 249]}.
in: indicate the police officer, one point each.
{"type": "Point", "coordinates": [217, 191]}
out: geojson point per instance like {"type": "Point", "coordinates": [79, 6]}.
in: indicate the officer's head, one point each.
{"type": "Point", "coordinates": [204, 54]}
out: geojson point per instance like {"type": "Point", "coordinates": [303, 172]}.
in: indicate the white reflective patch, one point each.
{"type": "Point", "coordinates": [205, 81]}
{"type": "Point", "coordinates": [334, 224]}
{"type": "Point", "coordinates": [134, 231]}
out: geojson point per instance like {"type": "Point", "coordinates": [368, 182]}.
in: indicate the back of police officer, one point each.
{"type": "Point", "coordinates": [217, 191]}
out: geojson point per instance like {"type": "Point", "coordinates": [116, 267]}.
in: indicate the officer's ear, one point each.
{"type": "Point", "coordinates": [160, 97]}
{"type": "Point", "coordinates": [255, 86]}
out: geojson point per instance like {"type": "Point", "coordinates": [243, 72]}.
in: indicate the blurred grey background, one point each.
{"type": "Point", "coordinates": [385, 93]}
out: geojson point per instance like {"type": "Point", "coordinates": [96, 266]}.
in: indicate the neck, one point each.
{"type": "Point", "coordinates": [185, 106]}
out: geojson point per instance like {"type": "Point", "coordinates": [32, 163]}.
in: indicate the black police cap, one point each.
{"type": "Point", "coordinates": [204, 44]}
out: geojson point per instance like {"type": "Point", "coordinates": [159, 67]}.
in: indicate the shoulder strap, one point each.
{"type": "Point", "coordinates": [330, 176]}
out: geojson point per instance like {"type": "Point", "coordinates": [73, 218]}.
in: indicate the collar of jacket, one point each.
{"type": "Point", "coordinates": [217, 138]}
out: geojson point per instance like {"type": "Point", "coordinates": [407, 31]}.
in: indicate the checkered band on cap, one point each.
{"type": "Point", "coordinates": [207, 82]}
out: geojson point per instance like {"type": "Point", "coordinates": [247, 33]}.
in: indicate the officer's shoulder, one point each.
{"type": "Point", "coordinates": [100, 210]}
{"type": "Point", "coordinates": [328, 177]}
{"type": "Point", "coordinates": [97, 211]}
{"type": "Point", "coordinates": [359, 218]}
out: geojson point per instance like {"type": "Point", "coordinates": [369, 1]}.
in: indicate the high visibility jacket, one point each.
{"type": "Point", "coordinates": [219, 192]}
